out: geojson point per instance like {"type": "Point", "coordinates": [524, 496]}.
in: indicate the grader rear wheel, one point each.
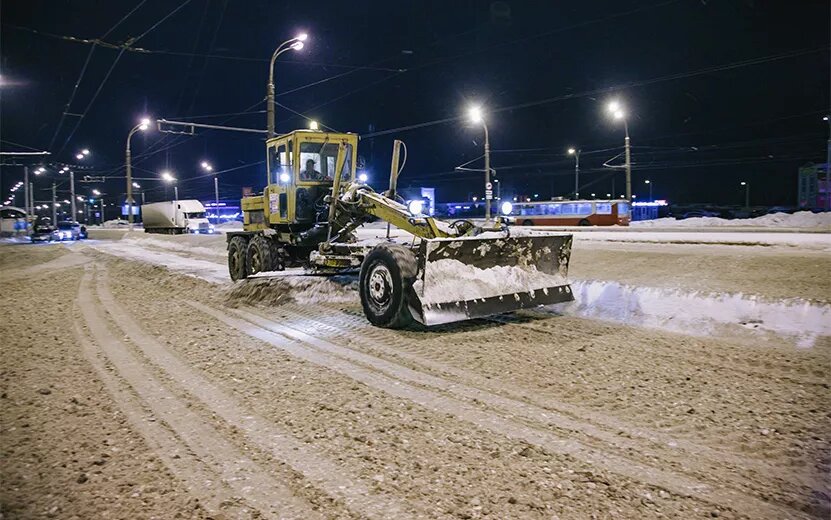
{"type": "Point", "coordinates": [237, 252]}
{"type": "Point", "coordinates": [259, 255]}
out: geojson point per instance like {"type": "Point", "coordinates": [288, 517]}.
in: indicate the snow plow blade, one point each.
{"type": "Point", "coordinates": [466, 278]}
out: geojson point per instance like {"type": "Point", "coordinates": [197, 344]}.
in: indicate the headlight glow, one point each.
{"type": "Point", "coordinates": [415, 207]}
{"type": "Point", "coordinates": [285, 177]}
{"type": "Point", "coordinates": [506, 208]}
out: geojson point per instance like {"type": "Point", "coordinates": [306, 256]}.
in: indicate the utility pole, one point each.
{"type": "Point", "coordinates": [628, 164]}
{"type": "Point", "coordinates": [216, 199]}
{"type": "Point", "coordinates": [576, 153]}
{"type": "Point", "coordinates": [101, 203]}
{"type": "Point", "coordinates": [54, 206]}
{"type": "Point", "coordinates": [72, 198]}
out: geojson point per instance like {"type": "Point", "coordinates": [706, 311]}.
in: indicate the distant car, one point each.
{"type": "Point", "coordinates": [69, 231]}
{"type": "Point", "coordinates": [43, 230]}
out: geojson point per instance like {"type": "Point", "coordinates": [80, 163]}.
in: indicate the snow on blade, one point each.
{"type": "Point", "coordinates": [450, 280]}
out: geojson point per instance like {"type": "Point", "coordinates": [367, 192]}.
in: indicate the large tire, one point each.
{"type": "Point", "coordinates": [237, 258]}
{"type": "Point", "coordinates": [387, 276]}
{"type": "Point", "coordinates": [584, 222]}
{"type": "Point", "coordinates": [527, 222]}
{"type": "Point", "coordinates": [259, 255]}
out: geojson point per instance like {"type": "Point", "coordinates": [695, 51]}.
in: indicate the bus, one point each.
{"type": "Point", "coordinates": [571, 213]}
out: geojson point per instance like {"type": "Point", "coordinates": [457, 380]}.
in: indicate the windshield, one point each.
{"type": "Point", "coordinates": [195, 214]}
{"type": "Point", "coordinates": [317, 161]}
{"type": "Point", "coordinates": [65, 225]}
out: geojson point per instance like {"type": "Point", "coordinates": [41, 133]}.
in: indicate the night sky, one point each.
{"type": "Point", "coordinates": [717, 91]}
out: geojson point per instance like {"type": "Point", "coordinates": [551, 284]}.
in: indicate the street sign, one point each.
{"type": "Point", "coordinates": [488, 194]}
{"type": "Point", "coordinates": [488, 186]}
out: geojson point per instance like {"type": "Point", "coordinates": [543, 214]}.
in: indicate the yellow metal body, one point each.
{"type": "Point", "coordinates": [334, 155]}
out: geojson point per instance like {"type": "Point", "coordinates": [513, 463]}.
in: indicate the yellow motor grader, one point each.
{"type": "Point", "coordinates": [312, 205]}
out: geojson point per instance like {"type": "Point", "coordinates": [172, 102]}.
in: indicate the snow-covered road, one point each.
{"type": "Point", "coordinates": [139, 382]}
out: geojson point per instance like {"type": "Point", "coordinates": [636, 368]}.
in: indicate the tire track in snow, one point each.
{"type": "Point", "coordinates": [230, 466]}
{"type": "Point", "coordinates": [325, 475]}
{"type": "Point", "coordinates": [320, 353]}
{"type": "Point", "coordinates": [790, 375]}
{"type": "Point", "coordinates": [590, 423]}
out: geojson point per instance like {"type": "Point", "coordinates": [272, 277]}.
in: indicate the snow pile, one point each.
{"type": "Point", "coordinates": [293, 288]}
{"type": "Point", "coordinates": [801, 219]}
{"type": "Point", "coordinates": [699, 314]}
{"type": "Point", "coordinates": [450, 280]}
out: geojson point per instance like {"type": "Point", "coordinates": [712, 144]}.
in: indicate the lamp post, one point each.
{"type": "Point", "coordinates": [576, 153]}
{"type": "Point", "coordinates": [476, 117]}
{"type": "Point", "coordinates": [208, 168]}
{"type": "Point", "coordinates": [143, 125]}
{"type": "Point", "coordinates": [618, 114]}
{"type": "Point", "coordinates": [649, 182]}
{"type": "Point", "coordinates": [80, 156]}
{"type": "Point", "coordinates": [746, 195]}
{"type": "Point", "coordinates": [295, 43]}
{"type": "Point", "coordinates": [169, 178]}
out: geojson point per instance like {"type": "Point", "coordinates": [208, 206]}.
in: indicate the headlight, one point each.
{"type": "Point", "coordinates": [507, 208]}
{"type": "Point", "coordinates": [285, 177]}
{"type": "Point", "coordinates": [415, 207]}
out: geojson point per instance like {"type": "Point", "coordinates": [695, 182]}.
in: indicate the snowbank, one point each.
{"type": "Point", "coordinates": [801, 219]}
{"type": "Point", "coordinates": [699, 314]}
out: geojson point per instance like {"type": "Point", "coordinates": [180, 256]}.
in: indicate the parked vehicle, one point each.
{"type": "Point", "coordinates": [570, 213]}
{"type": "Point", "coordinates": [43, 230]}
{"type": "Point", "coordinates": [175, 217]}
{"type": "Point", "coordinates": [84, 233]}
{"type": "Point", "coordinates": [69, 230]}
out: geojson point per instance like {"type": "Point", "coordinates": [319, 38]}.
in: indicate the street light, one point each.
{"type": "Point", "coordinates": [143, 125]}
{"type": "Point", "coordinates": [746, 194]}
{"type": "Point", "coordinates": [167, 177]}
{"type": "Point", "coordinates": [209, 168]}
{"type": "Point", "coordinates": [314, 125]}
{"type": "Point", "coordinates": [96, 193]}
{"type": "Point", "coordinates": [477, 117]}
{"type": "Point", "coordinates": [295, 43]}
{"type": "Point", "coordinates": [619, 114]}
{"type": "Point", "coordinates": [576, 153]}
{"type": "Point", "coordinates": [647, 181]}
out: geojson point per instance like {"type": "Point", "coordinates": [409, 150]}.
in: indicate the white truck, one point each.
{"type": "Point", "coordinates": [175, 217]}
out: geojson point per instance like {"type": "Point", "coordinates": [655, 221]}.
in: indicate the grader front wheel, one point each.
{"type": "Point", "coordinates": [387, 276]}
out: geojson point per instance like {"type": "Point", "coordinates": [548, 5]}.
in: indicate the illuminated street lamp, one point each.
{"type": "Point", "coordinates": [295, 43]}
{"type": "Point", "coordinates": [208, 168]}
{"type": "Point", "coordinates": [143, 125]}
{"type": "Point", "coordinates": [168, 178]}
{"type": "Point", "coordinates": [619, 114]}
{"type": "Point", "coordinates": [576, 153]}
{"type": "Point", "coordinates": [477, 117]}
{"type": "Point", "coordinates": [649, 182]}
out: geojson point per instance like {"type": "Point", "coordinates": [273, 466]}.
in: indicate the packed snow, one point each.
{"type": "Point", "coordinates": [449, 280]}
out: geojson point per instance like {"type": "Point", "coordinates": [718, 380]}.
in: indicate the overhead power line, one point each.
{"type": "Point", "coordinates": [606, 90]}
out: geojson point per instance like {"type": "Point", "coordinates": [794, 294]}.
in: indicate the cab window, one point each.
{"type": "Point", "coordinates": [279, 162]}
{"type": "Point", "coordinates": [317, 161]}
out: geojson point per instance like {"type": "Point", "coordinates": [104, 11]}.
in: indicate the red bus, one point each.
{"type": "Point", "coordinates": [571, 213]}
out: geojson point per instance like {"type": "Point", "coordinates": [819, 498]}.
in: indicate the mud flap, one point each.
{"type": "Point", "coordinates": [466, 278]}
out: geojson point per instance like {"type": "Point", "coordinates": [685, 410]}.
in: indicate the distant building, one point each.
{"type": "Point", "coordinates": [814, 187]}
